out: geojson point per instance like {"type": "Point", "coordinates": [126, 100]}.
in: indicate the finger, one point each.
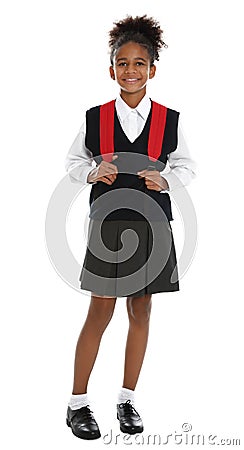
{"type": "Point", "coordinates": [150, 180]}
{"type": "Point", "coordinates": [153, 186]}
{"type": "Point", "coordinates": [152, 172]}
{"type": "Point", "coordinates": [112, 168]}
{"type": "Point", "coordinates": [111, 176]}
{"type": "Point", "coordinates": [151, 177]}
{"type": "Point", "coordinates": [147, 173]}
{"type": "Point", "coordinates": [105, 171]}
{"type": "Point", "coordinates": [108, 164]}
{"type": "Point", "coordinates": [105, 180]}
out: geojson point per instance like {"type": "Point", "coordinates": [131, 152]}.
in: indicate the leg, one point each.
{"type": "Point", "coordinates": [138, 309]}
{"type": "Point", "coordinates": [99, 315]}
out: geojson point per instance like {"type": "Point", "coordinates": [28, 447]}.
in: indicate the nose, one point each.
{"type": "Point", "coordinates": [130, 69]}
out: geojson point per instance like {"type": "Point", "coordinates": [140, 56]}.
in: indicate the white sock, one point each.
{"type": "Point", "coordinates": [126, 394]}
{"type": "Point", "coordinates": [78, 401]}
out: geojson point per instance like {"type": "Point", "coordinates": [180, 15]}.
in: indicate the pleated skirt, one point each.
{"type": "Point", "coordinates": [129, 258]}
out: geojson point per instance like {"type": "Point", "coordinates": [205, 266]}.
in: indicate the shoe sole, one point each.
{"type": "Point", "coordinates": [125, 430]}
{"type": "Point", "coordinates": [84, 436]}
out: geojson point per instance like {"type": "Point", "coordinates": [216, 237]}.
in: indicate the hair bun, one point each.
{"type": "Point", "coordinates": [143, 30]}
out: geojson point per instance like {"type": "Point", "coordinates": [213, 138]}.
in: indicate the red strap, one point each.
{"type": "Point", "coordinates": [107, 130]}
{"type": "Point", "coordinates": [156, 134]}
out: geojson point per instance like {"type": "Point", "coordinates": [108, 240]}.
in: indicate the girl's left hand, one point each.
{"type": "Point", "coordinates": [153, 180]}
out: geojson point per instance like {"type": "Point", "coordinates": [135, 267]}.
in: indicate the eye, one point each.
{"type": "Point", "coordinates": [122, 64]}
{"type": "Point", "coordinates": [139, 63]}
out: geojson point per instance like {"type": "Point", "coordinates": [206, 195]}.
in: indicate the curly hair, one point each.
{"type": "Point", "coordinates": [143, 30]}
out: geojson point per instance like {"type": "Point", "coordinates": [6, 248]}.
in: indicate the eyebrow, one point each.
{"type": "Point", "coordinates": [123, 59]}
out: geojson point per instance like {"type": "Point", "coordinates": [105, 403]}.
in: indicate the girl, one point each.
{"type": "Point", "coordinates": [122, 149]}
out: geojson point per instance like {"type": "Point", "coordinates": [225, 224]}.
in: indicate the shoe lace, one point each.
{"type": "Point", "coordinates": [86, 412]}
{"type": "Point", "coordinates": [128, 408]}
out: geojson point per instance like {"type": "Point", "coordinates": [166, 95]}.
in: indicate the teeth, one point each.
{"type": "Point", "coordinates": [131, 79]}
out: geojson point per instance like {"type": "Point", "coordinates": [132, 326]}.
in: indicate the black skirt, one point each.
{"type": "Point", "coordinates": [129, 258]}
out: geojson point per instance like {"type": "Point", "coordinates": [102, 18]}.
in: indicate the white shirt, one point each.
{"type": "Point", "coordinates": [79, 161]}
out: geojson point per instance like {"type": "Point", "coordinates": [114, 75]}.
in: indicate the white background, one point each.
{"type": "Point", "coordinates": [55, 61]}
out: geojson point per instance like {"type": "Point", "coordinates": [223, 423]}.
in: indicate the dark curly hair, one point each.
{"type": "Point", "coordinates": [143, 30]}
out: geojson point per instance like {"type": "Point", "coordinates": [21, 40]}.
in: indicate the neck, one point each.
{"type": "Point", "coordinates": [132, 99]}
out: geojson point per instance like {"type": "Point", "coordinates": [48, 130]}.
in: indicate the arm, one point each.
{"type": "Point", "coordinates": [79, 161]}
{"type": "Point", "coordinates": [182, 166]}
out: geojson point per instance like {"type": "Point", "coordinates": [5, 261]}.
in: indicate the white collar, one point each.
{"type": "Point", "coordinates": [143, 108]}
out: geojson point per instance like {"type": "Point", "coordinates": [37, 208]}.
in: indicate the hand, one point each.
{"type": "Point", "coordinates": [153, 180]}
{"type": "Point", "coordinates": [105, 172]}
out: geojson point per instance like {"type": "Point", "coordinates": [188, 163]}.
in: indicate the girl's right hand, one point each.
{"type": "Point", "coordinates": [106, 172]}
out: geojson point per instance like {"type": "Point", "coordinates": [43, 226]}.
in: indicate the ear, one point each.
{"type": "Point", "coordinates": [152, 71]}
{"type": "Point", "coordinates": [111, 71]}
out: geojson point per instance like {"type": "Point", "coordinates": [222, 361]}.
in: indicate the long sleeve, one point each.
{"type": "Point", "coordinates": [182, 166]}
{"type": "Point", "coordinates": [79, 161]}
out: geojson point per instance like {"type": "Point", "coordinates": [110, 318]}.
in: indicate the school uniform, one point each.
{"type": "Point", "coordinates": [130, 248]}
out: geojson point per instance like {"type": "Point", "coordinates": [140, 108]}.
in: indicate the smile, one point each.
{"type": "Point", "coordinates": [131, 80]}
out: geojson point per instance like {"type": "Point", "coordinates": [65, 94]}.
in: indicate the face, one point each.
{"type": "Point", "coordinates": [132, 68]}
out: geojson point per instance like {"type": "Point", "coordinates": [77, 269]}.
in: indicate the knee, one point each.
{"type": "Point", "coordinates": [139, 310]}
{"type": "Point", "coordinates": [101, 310]}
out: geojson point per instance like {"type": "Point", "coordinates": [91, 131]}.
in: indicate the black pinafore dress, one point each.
{"type": "Point", "coordinates": [130, 246]}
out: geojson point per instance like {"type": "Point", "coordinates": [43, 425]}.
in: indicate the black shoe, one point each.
{"type": "Point", "coordinates": [82, 423]}
{"type": "Point", "coordinates": [130, 421]}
